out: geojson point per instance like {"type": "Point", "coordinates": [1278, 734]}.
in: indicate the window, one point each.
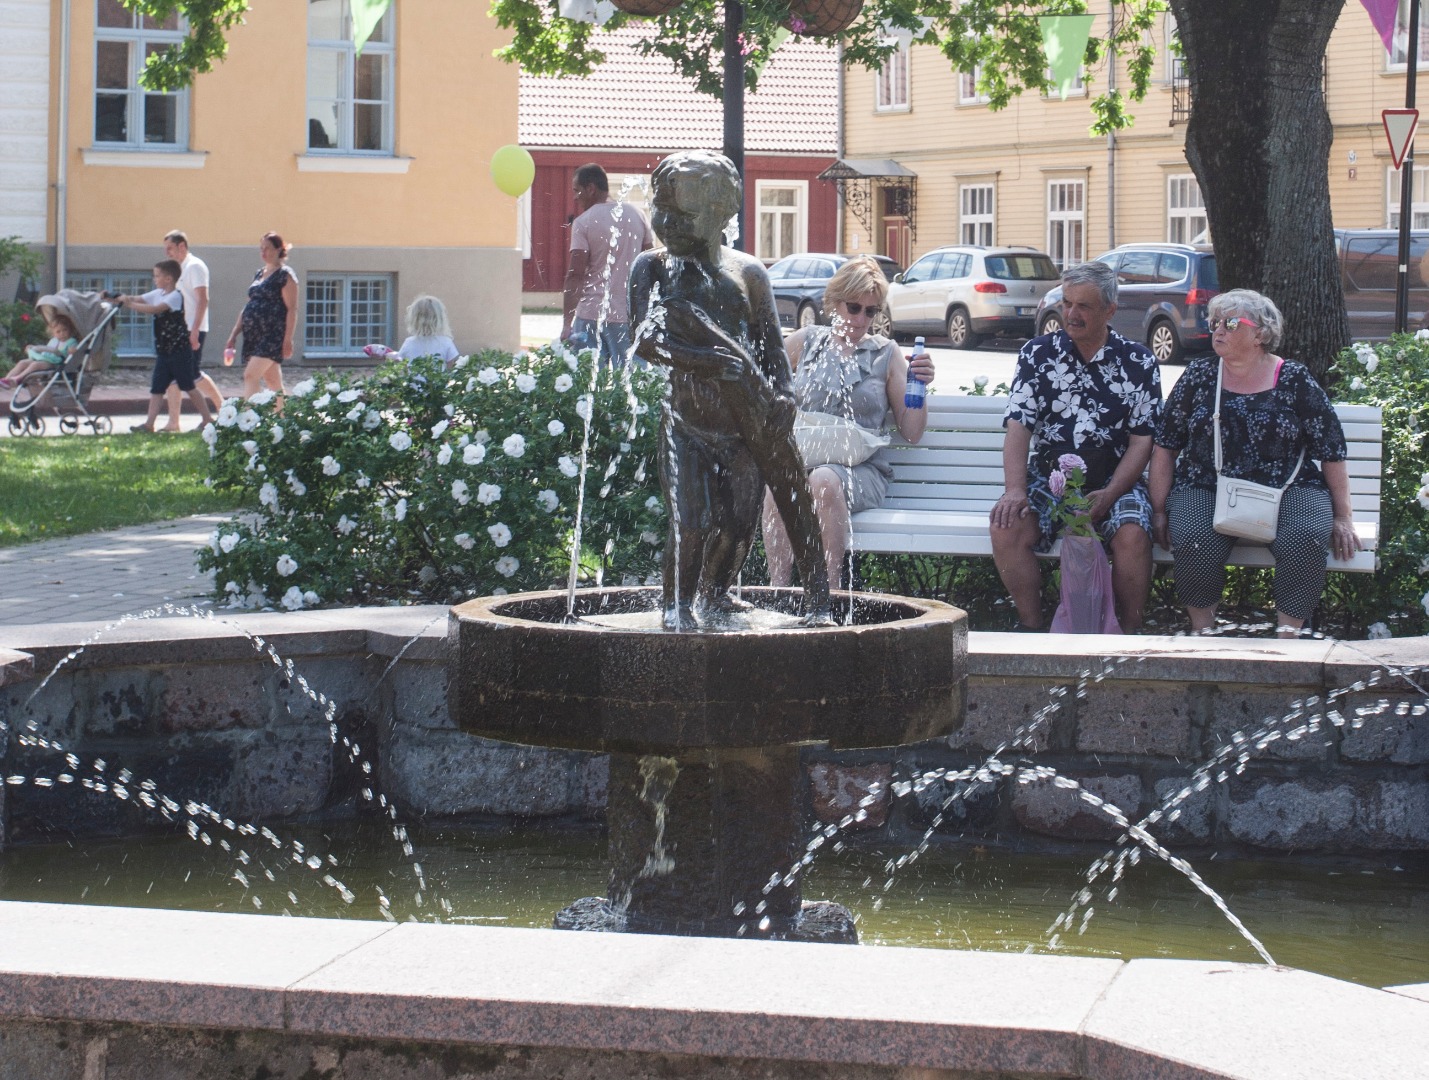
{"type": "Point", "coordinates": [893, 80]}
{"type": "Point", "coordinates": [1185, 210]}
{"type": "Point", "coordinates": [968, 92]}
{"type": "Point", "coordinates": [1419, 205]}
{"type": "Point", "coordinates": [783, 227]}
{"type": "Point", "coordinates": [344, 312]}
{"type": "Point", "coordinates": [1399, 55]}
{"type": "Point", "coordinates": [349, 96]}
{"type": "Point", "coordinates": [125, 114]}
{"type": "Point", "coordinates": [134, 332]}
{"type": "Point", "coordinates": [1175, 61]}
{"type": "Point", "coordinates": [976, 214]}
{"type": "Point", "coordinates": [1066, 221]}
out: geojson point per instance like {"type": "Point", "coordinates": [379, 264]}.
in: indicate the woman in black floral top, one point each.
{"type": "Point", "coordinates": [1271, 410]}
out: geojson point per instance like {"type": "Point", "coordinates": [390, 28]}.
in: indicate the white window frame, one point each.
{"type": "Point", "coordinates": [1397, 58]}
{"type": "Point", "coordinates": [968, 92]}
{"type": "Point", "coordinates": [1418, 207]}
{"type": "Point", "coordinates": [1175, 63]}
{"type": "Point", "coordinates": [345, 50]}
{"type": "Point", "coordinates": [1186, 207]}
{"type": "Point", "coordinates": [977, 214]}
{"type": "Point", "coordinates": [133, 331]}
{"type": "Point", "coordinates": [138, 41]}
{"type": "Point", "coordinates": [892, 91]}
{"type": "Point", "coordinates": [352, 336]}
{"type": "Point", "coordinates": [1067, 223]}
{"type": "Point", "coordinates": [799, 212]}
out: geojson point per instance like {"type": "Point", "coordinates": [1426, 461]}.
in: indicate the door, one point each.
{"type": "Point", "coordinates": [897, 239]}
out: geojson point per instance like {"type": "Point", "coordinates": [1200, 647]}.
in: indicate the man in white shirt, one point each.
{"type": "Point", "coordinates": [193, 286]}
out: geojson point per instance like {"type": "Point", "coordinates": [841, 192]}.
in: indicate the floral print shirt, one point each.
{"type": "Point", "coordinates": [1262, 434]}
{"type": "Point", "coordinates": [1067, 401]}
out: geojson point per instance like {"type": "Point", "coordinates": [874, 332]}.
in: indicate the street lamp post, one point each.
{"type": "Point", "coordinates": [734, 98]}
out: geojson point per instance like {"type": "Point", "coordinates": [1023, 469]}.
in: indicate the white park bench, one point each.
{"type": "Point", "coordinates": [944, 487]}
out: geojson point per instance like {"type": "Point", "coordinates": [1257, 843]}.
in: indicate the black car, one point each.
{"type": "Point", "coordinates": [1162, 293]}
{"type": "Point", "coordinates": [799, 282]}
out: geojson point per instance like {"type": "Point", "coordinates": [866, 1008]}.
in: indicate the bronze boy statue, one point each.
{"type": "Point", "coordinates": [707, 312]}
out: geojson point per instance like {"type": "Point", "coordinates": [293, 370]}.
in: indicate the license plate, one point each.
{"type": "Point", "coordinates": [1027, 311]}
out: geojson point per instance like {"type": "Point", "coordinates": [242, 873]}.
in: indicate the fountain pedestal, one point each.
{"type": "Point", "coordinates": [707, 799]}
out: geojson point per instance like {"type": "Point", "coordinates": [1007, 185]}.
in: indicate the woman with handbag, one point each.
{"type": "Point", "coordinates": [854, 381]}
{"type": "Point", "coordinates": [1241, 431]}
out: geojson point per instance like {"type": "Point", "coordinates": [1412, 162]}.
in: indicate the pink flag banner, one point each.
{"type": "Point", "coordinates": [1382, 13]}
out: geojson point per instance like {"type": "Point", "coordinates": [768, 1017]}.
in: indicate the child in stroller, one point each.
{"type": "Point", "coordinates": [64, 336]}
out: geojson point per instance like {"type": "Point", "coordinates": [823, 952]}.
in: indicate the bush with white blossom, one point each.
{"type": "Point", "coordinates": [423, 485]}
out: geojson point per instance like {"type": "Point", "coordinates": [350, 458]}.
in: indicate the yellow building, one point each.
{"type": "Point", "coordinates": [374, 167]}
{"type": "Point", "coordinates": [939, 167]}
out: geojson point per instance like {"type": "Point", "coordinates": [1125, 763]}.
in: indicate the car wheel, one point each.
{"type": "Point", "coordinates": [960, 330]}
{"type": "Point", "coordinates": [1164, 343]}
{"type": "Point", "coordinates": [808, 316]}
{"type": "Point", "coordinates": [1050, 324]}
{"type": "Point", "coordinates": [883, 325]}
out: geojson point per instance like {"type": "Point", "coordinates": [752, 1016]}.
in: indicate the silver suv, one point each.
{"type": "Point", "coordinates": [970, 292]}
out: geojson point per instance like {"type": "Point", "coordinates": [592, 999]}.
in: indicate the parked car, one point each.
{"type": "Point", "coordinates": [970, 292]}
{"type": "Point", "coordinates": [799, 281]}
{"type": "Point", "coordinates": [1162, 293]}
{"type": "Point", "coordinates": [1369, 275]}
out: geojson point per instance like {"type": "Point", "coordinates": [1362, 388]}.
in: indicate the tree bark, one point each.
{"type": "Point", "coordinates": [1258, 141]}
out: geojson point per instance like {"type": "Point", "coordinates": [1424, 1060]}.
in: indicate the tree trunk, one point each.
{"type": "Point", "coordinates": [1259, 143]}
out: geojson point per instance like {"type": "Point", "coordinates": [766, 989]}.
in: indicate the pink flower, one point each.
{"type": "Point", "coordinates": [797, 24]}
{"type": "Point", "coordinates": [1068, 462]}
{"type": "Point", "coordinates": [745, 46]}
{"type": "Point", "coordinates": [1058, 482]}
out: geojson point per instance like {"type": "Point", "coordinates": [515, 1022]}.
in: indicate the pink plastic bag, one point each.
{"type": "Point", "coordinates": [1088, 605]}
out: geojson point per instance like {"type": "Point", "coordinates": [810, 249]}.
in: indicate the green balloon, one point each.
{"type": "Point", "coordinates": [513, 169]}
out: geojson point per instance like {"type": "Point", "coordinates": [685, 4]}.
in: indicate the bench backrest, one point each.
{"type": "Point", "coordinates": [958, 463]}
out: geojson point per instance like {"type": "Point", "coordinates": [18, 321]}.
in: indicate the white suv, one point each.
{"type": "Point", "coordinates": [970, 292]}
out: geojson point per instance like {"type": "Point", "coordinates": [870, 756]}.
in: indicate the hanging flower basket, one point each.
{"type": "Point", "coordinates": [822, 17]}
{"type": "Point", "coordinates": [646, 8]}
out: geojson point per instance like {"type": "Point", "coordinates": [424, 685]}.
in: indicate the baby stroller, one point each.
{"type": "Point", "coordinates": [66, 389]}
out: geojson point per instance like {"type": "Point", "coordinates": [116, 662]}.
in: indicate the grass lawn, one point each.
{"type": "Point", "coordinates": [83, 483]}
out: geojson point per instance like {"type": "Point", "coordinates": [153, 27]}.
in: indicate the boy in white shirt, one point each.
{"type": "Point", "coordinates": [173, 356]}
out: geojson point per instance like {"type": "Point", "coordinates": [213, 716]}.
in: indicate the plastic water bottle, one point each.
{"type": "Point", "coordinates": [915, 396]}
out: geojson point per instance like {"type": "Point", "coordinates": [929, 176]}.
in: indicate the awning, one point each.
{"type": "Point", "coordinates": [867, 169]}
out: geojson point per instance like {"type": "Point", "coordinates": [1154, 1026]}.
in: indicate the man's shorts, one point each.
{"type": "Point", "coordinates": [1133, 508]}
{"type": "Point", "coordinates": [198, 354]}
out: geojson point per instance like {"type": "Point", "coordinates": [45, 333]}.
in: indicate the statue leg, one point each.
{"type": "Point", "coordinates": [739, 494]}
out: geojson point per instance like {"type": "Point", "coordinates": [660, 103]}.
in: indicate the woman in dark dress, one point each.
{"type": "Point", "coordinates": [268, 319]}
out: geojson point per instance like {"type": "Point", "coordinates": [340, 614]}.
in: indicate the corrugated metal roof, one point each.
{"type": "Point", "coordinates": [639, 102]}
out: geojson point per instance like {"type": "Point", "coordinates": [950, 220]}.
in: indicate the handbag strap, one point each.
{"type": "Point", "coordinates": [1216, 428]}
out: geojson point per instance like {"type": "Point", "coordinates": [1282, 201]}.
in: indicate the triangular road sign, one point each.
{"type": "Point", "coordinates": [1399, 126]}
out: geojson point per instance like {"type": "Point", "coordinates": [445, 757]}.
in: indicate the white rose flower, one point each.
{"type": "Point", "coordinates": [299, 488]}
{"type": "Point", "coordinates": [1371, 362]}
{"type": "Point", "coordinates": [1421, 335]}
{"type": "Point", "coordinates": [564, 382]}
{"type": "Point", "coordinates": [349, 395]}
{"type": "Point", "coordinates": [400, 440]}
{"type": "Point", "coordinates": [372, 420]}
{"type": "Point", "coordinates": [232, 587]}
{"type": "Point", "coordinates": [268, 496]}
{"type": "Point", "coordinates": [305, 436]}
{"type": "Point", "coordinates": [555, 427]}
{"type": "Point", "coordinates": [525, 382]}
{"type": "Point", "coordinates": [331, 466]}
{"type": "Point", "coordinates": [210, 435]}
{"type": "Point", "coordinates": [652, 503]}
{"type": "Point", "coordinates": [482, 437]}
{"type": "Point", "coordinates": [427, 574]}
{"type": "Point", "coordinates": [310, 598]}
{"type": "Point", "coordinates": [583, 407]}
{"type": "Point", "coordinates": [499, 590]}
{"type": "Point", "coordinates": [363, 481]}
{"type": "Point", "coordinates": [286, 565]}
{"type": "Point", "coordinates": [567, 465]}
{"type": "Point", "coordinates": [514, 446]}
{"type": "Point", "coordinates": [322, 401]}
{"type": "Point", "coordinates": [262, 397]}
{"type": "Point", "coordinates": [292, 599]}
{"type": "Point", "coordinates": [1424, 602]}
{"type": "Point", "coordinates": [486, 494]}
{"type": "Point", "coordinates": [980, 381]}
{"type": "Point", "coordinates": [333, 387]}
{"type": "Point", "coordinates": [460, 492]}
{"type": "Point", "coordinates": [400, 510]}
{"type": "Point", "coordinates": [444, 455]}
{"type": "Point", "coordinates": [228, 541]}
{"type": "Point", "coordinates": [1357, 383]}
{"type": "Point", "coordinates": [464, 541]}
{"type": "Point", "coordinates": [345, 524]}
{"type": "Point", "coordinates": [473, 454]}
{"type": "Point", "coordinates": [461, 362]}
{"type": "Point", "coordinates": [247, 420]}
{"type": "Point", "coordinates": [649, 537]}
{"type": "Point", "coordinates": [1377, 632]}
{"type": "Point", "coordinates": [547, 500]}
{"type": "Point", "coordinates": [303, 389]}
{"type": "Point", "coordinates": [572, 361]}
{"type": "Point", "coordinates": [213, 541]}
{"type": "Point", "coordinates": [355, 414]}
{"type": "Point", "coordinates": [249, 446]}
{"type": "Point", "coordinates": [500, 534]}
{"type": "Point", "coordinates": [506, 566]}
{"type": "Point", "coordinates": [439, 427]}
{"type": "Point", "coordinates": [1423, 497]}
{"type": "Point", "coordinates": [487, 375]}
{"type": "Point", "coordinates": [278, 433]}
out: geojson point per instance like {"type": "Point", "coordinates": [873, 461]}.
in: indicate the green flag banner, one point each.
{"type": "Point", "coordinates": [1064, 40]}
{"type": "Point", "coordinates": [366, 14]}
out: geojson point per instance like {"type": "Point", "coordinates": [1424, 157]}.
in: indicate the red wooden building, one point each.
{"type": "Point", "coordinates": [633, 110]}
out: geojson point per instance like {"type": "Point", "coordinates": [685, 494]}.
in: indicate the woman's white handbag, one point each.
{"type": "Point", "coordinates": [1245, 509]}
{"type": "Point", "coordinates": [825, 439]}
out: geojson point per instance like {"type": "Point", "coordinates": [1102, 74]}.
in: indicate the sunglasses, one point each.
{"type": "Point", "coordinates": [1232, 324]}
{"type": "Point", "coordinates": [871, 310]}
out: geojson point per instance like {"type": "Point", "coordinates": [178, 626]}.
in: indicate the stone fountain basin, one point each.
{"type": "Point", "coordinates": [519, 673]}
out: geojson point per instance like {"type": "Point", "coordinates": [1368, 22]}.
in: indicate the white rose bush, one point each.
{"type": "Point", "coordinates": [421, 485]}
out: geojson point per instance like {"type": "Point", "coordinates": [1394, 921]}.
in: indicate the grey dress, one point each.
{"type": "Point", "coordinates": [854, 387]}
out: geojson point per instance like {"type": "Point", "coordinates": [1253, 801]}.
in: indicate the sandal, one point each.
{"type": "Point", "coordinates": [142, 427]}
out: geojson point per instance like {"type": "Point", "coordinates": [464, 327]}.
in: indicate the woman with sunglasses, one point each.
{"type": "Point", "coordinates": [844, 370]}
{"type": "Point", "coordinates": [1272, 411]}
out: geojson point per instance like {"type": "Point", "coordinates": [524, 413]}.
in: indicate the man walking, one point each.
{"type": "Point", "coordinates": [1085, 390]}
{"type": "Point", "coordinates": [605, 238]}
{"type": "Point", "coordinates": [193, 286]}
